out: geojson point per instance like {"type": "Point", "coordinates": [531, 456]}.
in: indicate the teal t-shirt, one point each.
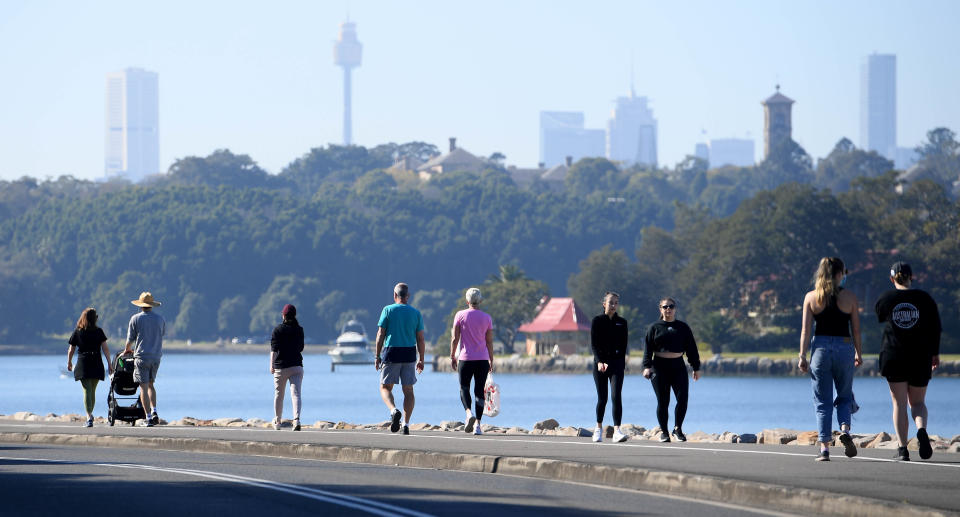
{"type": "Point", "coordinates": [401, 323]}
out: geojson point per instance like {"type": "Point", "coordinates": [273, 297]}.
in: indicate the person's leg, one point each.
{"type": "Point", "coordinates": [600, 380]}
{"type": "Point", "coordinates": [89, 395]}
{"type": "Point", "coordinates": [296, 380]}
{"type": "Point", "coordinates": [480, 373]}
{"type": "Point", "coordinates": [916, 396]}
{"type": "Point", "coordinates": [465, 373]}
{"type": "Point", "coordinates": [661, 388]}
{"type": "Point", "coordinates": [386, 393]}
{"type": "Point", "coordinates": [898, 395]}
{"type": "Point", "coordinates": [145, 399]}
{"type": "Point", "coordinates": [279, 385]}
{"type": "Point", "coordinates": [821, 379]}
{"type": "Point", "coordinates": [152, 394]}
{"type": "Point", "coordinates": [681, 390]}
{"type": "Point", "coordinates": [843, 369]}
{"type": "Point", "coordinates": [616, 387]}
{"type": "Point", "coordinates": [408, 402]}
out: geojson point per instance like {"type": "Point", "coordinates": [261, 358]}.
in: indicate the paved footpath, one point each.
{"type": "Point", "coordinates": [774, 477]}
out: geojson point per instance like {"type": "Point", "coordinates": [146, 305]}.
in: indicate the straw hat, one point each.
{"type": "Point", "coordinates": [145, 300]}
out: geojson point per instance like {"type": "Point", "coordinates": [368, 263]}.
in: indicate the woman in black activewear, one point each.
{"type": "Point", "coordinates": [608, 337]}
{"type": "Point", "coordinates": [89, 341]}
{"type": "Point", "coordinates": [909, 354]}
{"type": "Point", "coordinates": [666, 342]}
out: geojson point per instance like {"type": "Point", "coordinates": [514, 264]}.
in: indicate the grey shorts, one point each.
{"type": "Point", "coordinates": [399, 373]}
{"type": "Point", "coordinates": [145, 370]}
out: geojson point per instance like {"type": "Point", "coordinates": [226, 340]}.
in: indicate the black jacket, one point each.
{"type": "Point", "coordinates": [608, 338]}
{"type": "Point", "coordinates": [673, 336]}
{"type": "Point", "coordinates": [287, 342]}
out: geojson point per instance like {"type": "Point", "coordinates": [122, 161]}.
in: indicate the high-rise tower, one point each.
{"type": "Point", "coordinates": [878, 104]}
{"type": "Point", "coordinates": [132, 141]}
{"type": "Point", "coordinates": [777, 123]}
{"type": "Point", "coordinates": [346, 53]}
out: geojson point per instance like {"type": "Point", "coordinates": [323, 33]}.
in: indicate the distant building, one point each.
{"type": "Point", "coordinates": [456, 160]}
{"type": "Point", "coordinates": [632, 132]}
{"type": "Point", "coordinates": [347, 53]}
{"type": "Point", "coordinates": [702, 151]}
{"type": "Point", "coordinates": [777, 123]}
{"type": "Point", "coordinates": [878, 104]}
{"type": "Point", "coordinates": [562, 134]}
{"type": "Point", "coordinates": [905, 158]}
{"type": "Point", "coordinates": [731, 151]}
{"type": "Point", "coordinates": [132, 139]}
{"type": "Point", "coordinates": [560, 326]}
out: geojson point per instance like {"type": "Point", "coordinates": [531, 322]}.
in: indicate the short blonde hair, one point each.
{"type": "Point", "coordinates": [473, 296]}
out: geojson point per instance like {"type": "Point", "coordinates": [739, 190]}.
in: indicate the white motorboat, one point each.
{"type": "Point", "coordinates": [352, 346]}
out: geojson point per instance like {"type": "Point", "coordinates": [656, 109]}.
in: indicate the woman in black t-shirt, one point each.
{"type": "Point", "coordinates": [88, 340]}
{"type": "Point", "coordinates": [910, 353]}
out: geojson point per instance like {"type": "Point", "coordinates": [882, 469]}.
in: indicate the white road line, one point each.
{"type": "Point", "coordinates": [355, 503]}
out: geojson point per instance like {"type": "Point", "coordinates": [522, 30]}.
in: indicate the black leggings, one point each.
{"type": "Point", "coordinates": [476, 370]}
{"type": "Point", "coordinates": [670, 374]}
{"type": "Point", "coordinates": [614, 375]}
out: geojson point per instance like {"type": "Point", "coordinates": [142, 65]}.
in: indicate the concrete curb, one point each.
{"type": "Point", "coordinates": [746, 493]}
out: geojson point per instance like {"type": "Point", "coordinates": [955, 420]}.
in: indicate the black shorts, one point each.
{"type": "Point", "coordinates": [913, 369]}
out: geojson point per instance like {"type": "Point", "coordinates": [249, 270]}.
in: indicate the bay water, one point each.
{"type": "Point", "coordinates": [209, 386]}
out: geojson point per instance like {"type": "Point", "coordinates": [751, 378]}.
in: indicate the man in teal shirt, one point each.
{"type": "Point", "coordinates": [399, 342]}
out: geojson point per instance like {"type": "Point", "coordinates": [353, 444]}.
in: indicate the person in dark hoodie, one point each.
{"type": "Point", "coordinates": [608, 337]}
{"type": "Point", "coordinates": [666, 342]}
{"type": "Point", "coordinates": [286, 364]}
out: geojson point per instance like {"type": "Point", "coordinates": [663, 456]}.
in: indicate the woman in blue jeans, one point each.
{"type": "Point", "coordinates": [832, 313]}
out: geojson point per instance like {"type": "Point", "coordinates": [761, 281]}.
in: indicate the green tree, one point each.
{"type": "Point", "coordinates": [594, 174]}
{"type": "Point", "coordinates": [195, 320]}
{"type": "Point", "coordinates": [233, 315]}
{"type": "Point", "coordinates": [511, 298]}
{"type": "Point", "coordinates": [846, 163]}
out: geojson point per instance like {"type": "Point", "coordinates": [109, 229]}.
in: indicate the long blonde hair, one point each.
{"type": "Point", "coordinates": [823, 283]}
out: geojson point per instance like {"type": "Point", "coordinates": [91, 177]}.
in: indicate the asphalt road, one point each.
{"type": "Point", "coordinates": [59, 480]}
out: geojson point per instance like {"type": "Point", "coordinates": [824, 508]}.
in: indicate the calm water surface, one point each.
{"type": "Point", "coordinates": [215, 386]}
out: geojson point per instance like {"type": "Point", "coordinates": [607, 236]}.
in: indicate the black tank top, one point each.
{"type": "Point", "coordinates": [831, 321]}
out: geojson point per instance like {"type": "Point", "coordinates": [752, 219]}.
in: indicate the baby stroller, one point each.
{"type": "Point", "coordinates": [121, 383]}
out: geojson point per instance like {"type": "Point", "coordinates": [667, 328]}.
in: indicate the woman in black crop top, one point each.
{"type": "Point", "coordinates": [831, 313]}
{"type": "Point", "coordinates": [666, 342]}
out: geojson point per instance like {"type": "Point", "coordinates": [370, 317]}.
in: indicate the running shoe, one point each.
{"type": "Point", "coordinates": [823, 456]}
{"type": "Point", "coordinates": [477, 431]}
{"type": "Point", "coordinates": [276, 424]}
{"type": "Point", "coordinates": [296, 424]}
{"type": "Point", "coordinates": [902, 454]}
{"type": "Point", "coordinates": [923, 441]}
{"type": "Point", "coordinates": [664, 437]}
{"type": "Point", "coordinates": [678, 434]}
{"type": "Point", "coordinates": [395, 420]}
{"type": "Point", "coordinates": [154, 419]}
{"type": "Point", "coordinates": [619, 437]}
{"type": "Point", "coordinates": [849, 448]}
{"type": "Point", "coordinates": [598, 435]}
{"type": "Point", "coordinates": [469, 427]}
{"type": "Point", "coordinates": [146, 423]}
{"type": "Point", "coordinates": [89, 423]}
{"type": "Point", "coordinates": [406, 430]}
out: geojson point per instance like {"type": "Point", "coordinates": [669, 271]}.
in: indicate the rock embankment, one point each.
{"type": "Point", "coordinates": [548, 427]}
{"type": "Point", "coordinates": [715, 365]}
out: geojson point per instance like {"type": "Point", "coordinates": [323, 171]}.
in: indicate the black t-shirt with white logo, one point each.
{"type": "Point", "coordinates": [912, 321]}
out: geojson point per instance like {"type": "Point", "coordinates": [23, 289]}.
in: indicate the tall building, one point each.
{"type": "Point", "coordinates": [132, 140]}
{"type": "Point", "coordinates": [562, 134]}
{"type": "Point", "coordinates": [632, 132]}
{"type": "Point", "coordinates": [878, 104]}
{"type": "Point", "coordinates": [346, 54]}
{"type": "Point", "coordinates": [777, 123]}
{"type": "Point", "coordinates": [731, 151]}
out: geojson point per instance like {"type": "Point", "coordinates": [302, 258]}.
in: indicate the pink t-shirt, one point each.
{"type": "Point", "coordinates": [473, 324]}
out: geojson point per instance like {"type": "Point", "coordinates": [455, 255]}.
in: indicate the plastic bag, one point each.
{"type": "Point", "coordinates": [491, 397]}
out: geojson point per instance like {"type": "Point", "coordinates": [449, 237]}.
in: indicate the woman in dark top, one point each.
{"type": "Point", "coordinates": [666, 342]}
{"type": "Point", "coordinates": [833, 359]}
{"type": "Point", "coordinates": [608, 337]}
{"type": "Point", "coordinates": [910, 353]}
{"type": "Point", "coordinates": [286, 364]}
{"type": "Point", "coordinates": [88, 341]}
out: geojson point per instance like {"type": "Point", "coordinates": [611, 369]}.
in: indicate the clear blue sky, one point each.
{"type": "Point", "coordinates": [258, 77]}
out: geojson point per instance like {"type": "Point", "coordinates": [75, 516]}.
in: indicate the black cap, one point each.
{"type": "Point", "coordinates": [901, 267]}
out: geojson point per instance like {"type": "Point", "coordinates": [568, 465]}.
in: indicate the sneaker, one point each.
{"type": "Point", "coordinates": [276, 424]}
{"type": "Point", "coordinates": [154, 419]}
{"type": "Point", "coordinates": [146, 423]}
{"type": "Point", "coordinates": [664, 437]}
{"type": "Point", "coordinates": [902, 454]}
{"type": "Point", "coordinates": [678, 434]}
{"type": "Point", "coordinates": [469, 427]}
{"type": "Point", "coordinates": [923, 441]}
{"type": "Point", "coordinates": [849, 448]}
{"type": "Point", "coordinates": [823, 456]}
{"type": "Point", "coordinates": [395, 420]}
{"type": "Point", "coordinates": [296, 424]}
{"type": "Point", "coordinates": [598, 435]}
{"type": "Point", "coordinates": [477, 431]}
{"type": "Point", "coordinates": [406, 430]}
{"type": "Point", "coordinates": [89, 423]}
{"type": "Point", "coordinates": [619, 437]}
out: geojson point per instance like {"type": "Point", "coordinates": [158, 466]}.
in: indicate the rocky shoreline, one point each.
{"type": "Point", "coordinates": [716, 365]}
{"type": "Point", "coordinates": [549, 427]}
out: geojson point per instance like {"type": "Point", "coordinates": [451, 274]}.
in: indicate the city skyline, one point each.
{"type": "Point", "coordinates": [482, 75]}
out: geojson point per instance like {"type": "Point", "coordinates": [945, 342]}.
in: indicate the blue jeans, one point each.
{"type": "Point", "coordinates": [831, 364]}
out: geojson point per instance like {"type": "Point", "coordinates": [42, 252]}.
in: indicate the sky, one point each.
{"type": "Point", "coordinates": [258, 78]}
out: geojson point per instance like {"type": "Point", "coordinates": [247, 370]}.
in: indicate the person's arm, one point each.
{"type": "Point", "coordinates": [806, 328]}
{"type": "Point", "coordinates": [597, 343]}
{"type": "Point", "coordinates": [693, 355]}
{"type": "Point", "coordinates": [273, 357]}
{"type": "Point", "coordinates": [381, 337]}
{"type": "Point", "coordinates": [648, 353]}
{"type": "Point", "coordinates": [489, 338]}
{"type": "Point", "coordinates": [855, 329]}
{"type": "Point", "coordinates": [421, 349]}
{"type": "Point", "coordinates": [70, 350]}
{"type": "Point", "coordinates": [106, 355]}
{"type": "Point", "coordinates": [274, 347]}
{"type": "Point", "coordinates": [935, 330]}
{"type": "Point", "coordinates": [454, 341]}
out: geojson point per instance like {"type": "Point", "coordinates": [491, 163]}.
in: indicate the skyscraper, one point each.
{"type": "Point", "coordinates": [346, 54]}
{"type": "Point", "coordinates": [731, 151]}
{"type": "Point", "coordinates": [562, 134]}
{"type": "Point", "coordinates": [878, 104]}
{"type": "Point", "coordinates": [632, 132]}
{"type": "Point", "coordinates": [132, 140]}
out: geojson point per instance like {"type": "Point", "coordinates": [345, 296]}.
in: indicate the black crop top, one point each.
{"type": "Point", "coordinates": [831, 321]}
{"type": "Point", "coordinates": [670, 336]}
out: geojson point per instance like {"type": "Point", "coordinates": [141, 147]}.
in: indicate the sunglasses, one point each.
{"type": "Point", "coordinates": [667, 306]}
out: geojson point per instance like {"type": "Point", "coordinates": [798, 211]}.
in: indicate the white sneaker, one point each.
{"type": "Point", "coordinates": [477, 431]}
{"type": "Point", "coordinates": [598, 435]}
{"type": "Point", "coordinates": [276, 424]}
{"type": "Point", "coordinates": [619, 437]}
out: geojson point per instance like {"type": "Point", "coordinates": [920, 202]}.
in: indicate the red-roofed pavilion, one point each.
{"type": "Point", "coordinates": [560, 325]}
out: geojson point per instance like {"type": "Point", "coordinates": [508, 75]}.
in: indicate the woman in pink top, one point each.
{"type": "Point", "coordinates": [473, 331]}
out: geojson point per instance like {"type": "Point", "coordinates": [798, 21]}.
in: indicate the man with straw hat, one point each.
{"type": "Point", "coordinates": [146, 332]}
